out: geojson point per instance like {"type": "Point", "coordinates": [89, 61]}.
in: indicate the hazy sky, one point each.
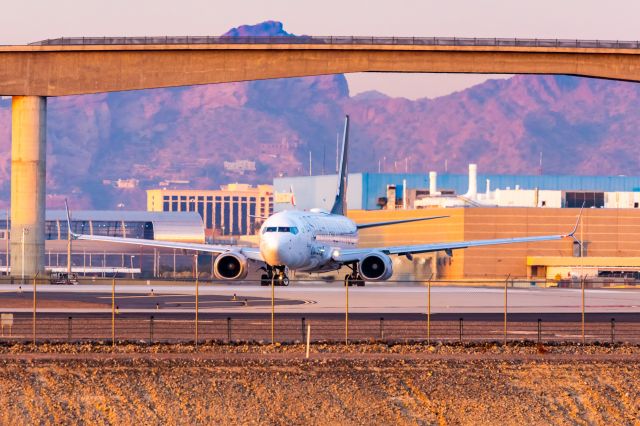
{"type": "Point", "coordinates": [29, 20]}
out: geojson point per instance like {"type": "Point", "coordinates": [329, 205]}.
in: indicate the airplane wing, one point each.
{"type": "Point", "coordinates": [355, 254]}
{"type": "Point", "coordinates": [252, 253]}
{"type": "Point", "coordinates": [395, 222]}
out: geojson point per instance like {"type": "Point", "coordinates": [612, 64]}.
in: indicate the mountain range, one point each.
{"type": "Point", "coordinates": [580, 125]}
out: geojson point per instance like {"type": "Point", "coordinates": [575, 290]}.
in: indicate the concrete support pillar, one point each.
{"type": "Point", "coordinates": [28, 173]}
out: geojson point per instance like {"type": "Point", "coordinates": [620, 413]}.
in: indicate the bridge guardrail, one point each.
{"type": "Point", "coordinates": [343, 40]}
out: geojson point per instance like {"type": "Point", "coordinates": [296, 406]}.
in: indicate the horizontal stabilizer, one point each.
{"type": "Point", "coordinates": [395, 222]}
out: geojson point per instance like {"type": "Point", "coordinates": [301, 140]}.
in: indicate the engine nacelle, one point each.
{"type": "Point", "coordinates": [230, 266]}
{"type": "Point", "coordinates": [376, 266]}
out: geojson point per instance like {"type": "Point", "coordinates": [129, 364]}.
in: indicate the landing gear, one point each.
{"type": "Point", "coordinates": [277, 274]}
{"type": "Point", "coordinates": [354, 278]}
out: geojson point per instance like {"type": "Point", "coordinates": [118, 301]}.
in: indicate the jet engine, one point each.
{"type": "Point", "coordinates": [230, 266]}
{"type": "Point", "coordinates": [376, 266]}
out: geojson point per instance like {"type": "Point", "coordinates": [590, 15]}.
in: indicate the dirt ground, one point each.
{"type": "Point", "coordinates": [355, 384]}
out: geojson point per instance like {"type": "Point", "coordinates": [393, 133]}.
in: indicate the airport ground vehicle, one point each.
{"type": "Point", "coordinates": [63, 278]}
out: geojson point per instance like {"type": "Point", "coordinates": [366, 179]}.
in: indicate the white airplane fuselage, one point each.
{"type": "Point", "coordinates": [305, 240]}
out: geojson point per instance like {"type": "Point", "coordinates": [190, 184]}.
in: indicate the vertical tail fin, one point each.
{"type": "Point", "coordinates": [71, 235]}
{"type": "Point", "coordinates": [340, 204]}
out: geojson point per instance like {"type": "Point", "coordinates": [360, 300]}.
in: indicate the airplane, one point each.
{"type": "Point", "coordinates": [316, 241]}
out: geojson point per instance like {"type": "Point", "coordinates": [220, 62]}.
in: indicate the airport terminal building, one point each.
{"type": "Point", "coordinates": [99, 258]}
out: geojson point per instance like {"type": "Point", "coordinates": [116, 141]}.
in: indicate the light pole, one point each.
{"type": "Point", "coordinates": [131, 259]}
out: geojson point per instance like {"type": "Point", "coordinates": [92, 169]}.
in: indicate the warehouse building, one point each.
{"type": "Point", "coordinates": [375, 191]}
{"type": "Point", "coordinates": [99, 258]}
{"type": "Point", "coordinates": [611, 242]}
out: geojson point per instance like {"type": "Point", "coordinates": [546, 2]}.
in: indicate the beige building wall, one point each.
{"type": "Point", "coordinates": [437, 230]}
{"type": "Point", "coordinates": [607, 233]}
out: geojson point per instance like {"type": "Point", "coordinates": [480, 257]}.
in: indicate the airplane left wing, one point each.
{"type": "Point", "coordinates": [352, 255]}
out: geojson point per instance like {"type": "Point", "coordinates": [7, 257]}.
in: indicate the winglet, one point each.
{"type": "Point", "coordinates": [293, 196]}
{"type": "Point", "coordinates": [572, 234]}
{"type": "Point", "coordinates": [71, 234]}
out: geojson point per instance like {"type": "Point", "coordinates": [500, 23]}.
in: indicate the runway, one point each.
{"type": "Point", "coordinates": [317, 299]}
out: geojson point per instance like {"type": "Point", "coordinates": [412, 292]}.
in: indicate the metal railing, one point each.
{"type": "Point", "coordinates": [292, 329]}
{"type": "Point", "coordinates": [343, 40]}
{"type": "Point", "coordinates": [139, 321]}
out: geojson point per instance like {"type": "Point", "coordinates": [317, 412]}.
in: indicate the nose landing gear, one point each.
{"type": "Point", "coordinates": [277, 274]}
{"type": "Point", "coordinates": [354, 278]}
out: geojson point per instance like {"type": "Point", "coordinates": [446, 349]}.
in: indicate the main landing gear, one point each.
{"type": "Point", "coordinates": [354, 278]}
{"type": "Point", "coordinates": [277, 274]}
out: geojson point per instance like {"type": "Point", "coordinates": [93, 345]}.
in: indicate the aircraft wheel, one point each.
{"type": "Point", "coordinates": [265, 280]}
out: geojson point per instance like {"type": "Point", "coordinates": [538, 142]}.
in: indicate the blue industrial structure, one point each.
{"type": "Point", "coordinates": [366, 188]}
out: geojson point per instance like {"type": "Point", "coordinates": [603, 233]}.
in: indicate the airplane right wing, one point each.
{"type": "Point", "coordinates": [355, 254]}
{"type": "Point", "coordinates": [396, 222]}
{"type": "Point", "coordinates": [252, 253]}
{"type": "Point", "coordinates": [352, 255]}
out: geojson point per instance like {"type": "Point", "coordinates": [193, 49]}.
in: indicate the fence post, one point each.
{"type": "Point", "coordinates": [346, 312]}
{"type": "Point", "coordinates": [506, 282]}
{"type": "Point", "coordinates": [273, 310]}
{"type": "Point", "coordinates": [539, 330]}
{"type": "Point", "coordinates": [69, 329]}
{"type": "Point", "coordinates": [228, 329]}
{"type": "Point", "coordinates": [34, 310]}
{"type": "Point", "coordinates": [583, 335]}
{"type": "Point", "coordinates": [613, 330]}
{"type": "Point", "coordinates": [151, 329]}
{"type": "Point", "coordinates": [429, 309]}
{"type": "Point", "coordinates": [381, 328]}
{"type": "Point", "coordinates": [196, 336]}
{"type": "Point", "coordinates": [302, 329]}
{"type": "Point", "coordinates": [113, 312]}
{"type": "Point", "coordinates": [308, 340]}
{"type": "Point", "coordinates": [460, 330]}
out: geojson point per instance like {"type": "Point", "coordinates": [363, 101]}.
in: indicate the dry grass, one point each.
{"type": "Point", "coordinates": [376, 384]}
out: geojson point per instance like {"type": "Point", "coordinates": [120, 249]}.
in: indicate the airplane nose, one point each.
{"type": "Point", "coordinates": [275, 250]}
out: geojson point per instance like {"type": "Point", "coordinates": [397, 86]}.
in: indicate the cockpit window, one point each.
{"type": "Point", "coordinates": [291, 229]}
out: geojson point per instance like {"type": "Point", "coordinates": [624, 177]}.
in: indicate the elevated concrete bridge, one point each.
{"type": "Point", "coordinates": [76, 66]}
